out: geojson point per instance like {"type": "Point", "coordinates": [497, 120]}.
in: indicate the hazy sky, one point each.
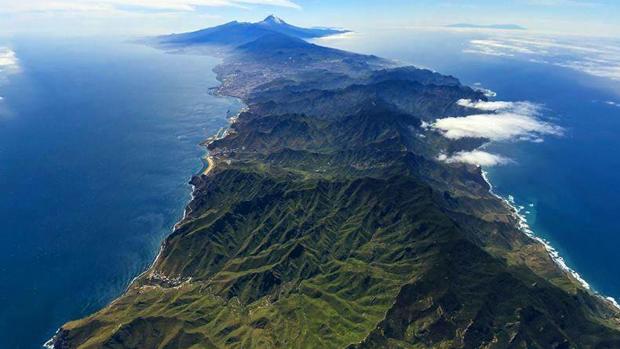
{"type": "Point", "coordinates": [80, 17]}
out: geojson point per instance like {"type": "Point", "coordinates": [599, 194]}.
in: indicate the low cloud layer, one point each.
{"type": "Point", "coordinates": [488, 93]}
{"type": "Point", "coordinates": [8, 65]}
{"type": "Point", "coordinates": [496, 121]}
{"type": "Point", "coordinates": [483, 105]}
{"type": "Point", "coordinates": [8, 61]}
{"type": "Point", "coordinates": [508, 121]}
{"type": "Point", "coordinates": [600, 57]}
{"type": "Point", "coordinates": [475, 157]}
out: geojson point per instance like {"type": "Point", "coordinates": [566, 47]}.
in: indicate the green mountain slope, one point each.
{"type": "Point", "coordinates": [327, 222]}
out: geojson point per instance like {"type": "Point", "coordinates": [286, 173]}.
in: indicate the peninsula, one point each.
{"type": "Point", "coordinates": [328, 219]}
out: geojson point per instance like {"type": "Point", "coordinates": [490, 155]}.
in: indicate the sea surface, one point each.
{"type": "Point", "coordinates": [98, 139]}
{"type": "Point", "coordinates": [567, 187]}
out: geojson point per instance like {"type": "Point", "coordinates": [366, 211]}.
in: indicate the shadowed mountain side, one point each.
{"type": "Point", "coordinates": [408, 96]}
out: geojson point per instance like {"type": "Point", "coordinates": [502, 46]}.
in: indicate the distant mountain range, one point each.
{"type": "Point", "coordinates": [487, 26]}
{"type": "Point", "coordinates": [238, 33]}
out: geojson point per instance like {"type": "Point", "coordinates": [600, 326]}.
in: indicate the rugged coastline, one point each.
{"type": "Point", "coordinates": [553, 253]}
{"type": "Point", "coordinates": [332, 164]}
{"type": "Point", "coordinates": [206, 169]}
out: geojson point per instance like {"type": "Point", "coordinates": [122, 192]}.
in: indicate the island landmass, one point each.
{"type": "Point", "coordinates": [326, 220]}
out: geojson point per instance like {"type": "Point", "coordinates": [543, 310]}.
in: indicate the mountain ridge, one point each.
{"type": "Point", "coordinates": [328, 221]}
{"type": "Point", "coordinates": [237, 33]}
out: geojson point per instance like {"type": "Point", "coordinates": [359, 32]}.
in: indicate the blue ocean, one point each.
{"type": "Point", "coordinates": [99, 138]}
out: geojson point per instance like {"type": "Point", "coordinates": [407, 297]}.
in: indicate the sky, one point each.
{"type": "Point", "coordinates": [140, 17]}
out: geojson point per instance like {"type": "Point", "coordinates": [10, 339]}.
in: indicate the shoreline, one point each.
{"type": "Point", "coordinates": [211, 161]}
{"type": "Point", "coordinates": [210, 165]}
{"type": "Point", "coordinates": [221, 133]}
{"type": "Point", "coordinates": [524, 227]}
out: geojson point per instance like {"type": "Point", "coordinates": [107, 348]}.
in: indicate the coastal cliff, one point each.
{"type": "Point", "coordinates": [326, 220]}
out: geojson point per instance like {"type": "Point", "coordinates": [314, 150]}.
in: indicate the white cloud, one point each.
{"type": "Point", "coordinates": [595, 57]}
{"type": "Point", "coordinates": [8, 65]}
{"type": "Point", "coordinates": [496, 127]}
{"type": "Point", "coordinates": [8, 58]}
{"type": "Point", "coordinates": [521, 108]}
{"type": "Point", "coordinates": [115, 5]}
{"type": "Point", "coordinates": [475, 157]}
{"type": "Point", "coordinates": [482, 105]}
{"type": "Point", "coordinates": [488, 93]}
{"type": "Point", "coordinates": [501, 46]}
{"type": "Point", "coordinates": [8, 61]}
{"type": "Point", "coordinates": [501, 121]}
{"type": "Point", "coordinates": [337, 37]}
{"type": "Point", "coordinates": [509, 121]}
{"type": "Point", "coordinates": [613, 104]}
{"type": "Point", "coordinates": [594, 68]}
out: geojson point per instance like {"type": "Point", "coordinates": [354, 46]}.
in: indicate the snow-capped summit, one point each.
{"type": "Point", "coordinates": [274, 19]}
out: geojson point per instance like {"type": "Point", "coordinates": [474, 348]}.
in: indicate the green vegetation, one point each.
{"type": "Point", "coordinates": [328, 223]}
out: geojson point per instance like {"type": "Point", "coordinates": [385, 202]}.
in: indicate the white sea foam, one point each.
{"type": "Point", "coordinates": [613, 301]}
{"type": "Point", "coordinates": [50, 342]}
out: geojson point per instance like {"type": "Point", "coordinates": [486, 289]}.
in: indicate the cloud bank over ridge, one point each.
{"type": "Point", "coordinates": [475, 157]}
{"type": "Point", "coordinates": [506, 121]}
{"type": "Point", "coordinates": [495, 121]}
